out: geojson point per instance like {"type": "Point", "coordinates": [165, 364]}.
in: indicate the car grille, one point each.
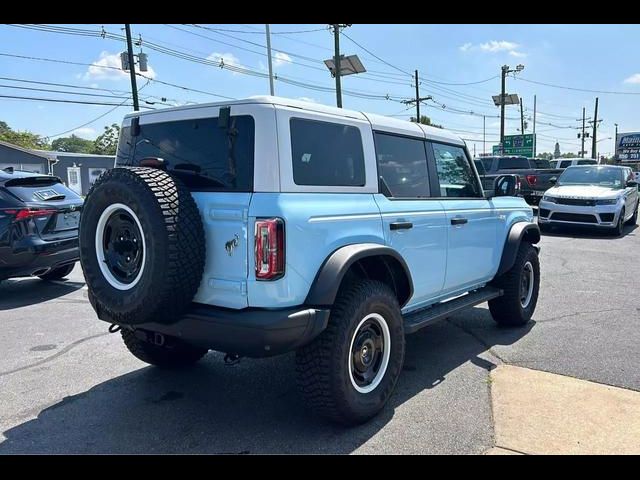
{"type": "Point", "coordinates": [606, 217]}
{"type": "Point", "coordinates": [577, 201]}
{"type": "Point", "coordinates": [544, 212]}
{"type": "Point", "coordinates": [574, 217]}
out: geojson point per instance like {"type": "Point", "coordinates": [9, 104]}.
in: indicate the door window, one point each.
{"type": "Point", "coordinates": [455, 175]}
{"type": "Point", "coordinates": [402, 166]}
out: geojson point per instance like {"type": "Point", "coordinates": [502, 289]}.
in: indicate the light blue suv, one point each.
{"type": "Point", "coordinates": [269, 225]}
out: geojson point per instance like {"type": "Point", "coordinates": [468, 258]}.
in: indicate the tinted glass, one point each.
{"type": "Point", "coordinates": [587, 162]}
{"type": "Point", "coordinates": [198, 151]}
{"type": "Point", "coordinates": [40, 189]}
{"type": "Point", "coordinates": [487, 162]}
{"type": "Point", "coordinates": [326, 154]}
{"type": "Point", "coordinates": [513, 163]}
{"type": "Point", "coordinates": [479, 167]}
{"type": "Point", "coordinates": [540, 163]}
{"type": "Point", "coordinates": [597, 175]}
{"type": "Point", "coordinates": [455, 175]}
{"type": "Point", "coordinates": [402, 165]}
{"type": "Point", "coordinates": [565, 163]}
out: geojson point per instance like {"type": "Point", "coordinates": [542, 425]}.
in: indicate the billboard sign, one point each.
{"type": "Point", "coordinates": [628, 147]}
{"type": "Point", "coordinates": [517, 145]}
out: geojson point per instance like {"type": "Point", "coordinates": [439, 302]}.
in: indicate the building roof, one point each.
{"type": "Point", "coordinates": [37, 153]}
{"type": "Point", "coordinates": [377, 121]}
{"type": "Point", "coordinates": [72, 154]}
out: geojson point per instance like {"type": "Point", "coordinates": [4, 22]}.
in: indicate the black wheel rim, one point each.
{"type": "Point", "coordinates": [367, 353]}
{"type": "Point", "coordinates": [123, 246]}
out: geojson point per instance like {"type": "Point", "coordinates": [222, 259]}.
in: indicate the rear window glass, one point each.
{"type": "Point", "coordinates": [402, 165]}
{"type": "Point", "coordinates": [539, 163]}
{"type": "Point", "coordinates": [487, 162]}
{"type": "Point", "coordinates": [513, 163]}
{"type": "Point", "coordinates": [587, 162]}
{"type": "Point", "coordinates": [326, 154]}
{"type": "Point", "coordinates": [198, 151]}
{"type": "Point", "coordinates": [40, 189]}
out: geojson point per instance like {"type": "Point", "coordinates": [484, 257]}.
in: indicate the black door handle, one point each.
{"type": "Point", "coordinates": [400, 225]}
{"type": "Point", "coordinates": [458, 221]}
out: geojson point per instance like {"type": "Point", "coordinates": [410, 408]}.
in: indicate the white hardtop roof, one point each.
{"type": "Point", "coordinates": [378, 122]}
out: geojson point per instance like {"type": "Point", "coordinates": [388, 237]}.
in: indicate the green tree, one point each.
{"type": "Point", "coordinates": [72, 144]}
{"type": "Point", "coordinates": [22, 139]}
{"type": "Point", "coordinates": [107, 143]}
{"type": "Point", "coordinates": [426, 121]}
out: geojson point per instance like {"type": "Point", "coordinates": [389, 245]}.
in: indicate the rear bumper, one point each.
{"type": "Point", "coordinates": [32, 255]}
{"type": "Point", "coordinates": [250, 332]}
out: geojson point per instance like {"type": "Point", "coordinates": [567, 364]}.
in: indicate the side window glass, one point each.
{"type": "Point", "coordinates": [402, 166]}
{"type": "Point", "coordinates": [565, 163]}
{"type": "Point", "coordinates": [455, 175]}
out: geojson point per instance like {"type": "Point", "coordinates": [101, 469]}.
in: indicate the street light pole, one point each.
{"type": "Point", "coordinates": [336, 41]}
{"type": "Point", "coordinates": [271, 89]}
{"type": "Point", "coordinates": [417, 99]}
{"type": "Point", "coordinates": [505, 69]}
{"type": "Point", "coordinates": [615, 143]}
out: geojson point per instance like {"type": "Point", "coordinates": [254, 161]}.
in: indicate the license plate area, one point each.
{"type": "Point", "coordinates": [67, 221]}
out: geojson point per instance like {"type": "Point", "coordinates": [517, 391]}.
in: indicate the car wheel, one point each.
{"type": "Point", "coordinates": [619, 228]}
{"type": "Point", "coordinates": [172, 354]}
{"type": "Point", "coordinates": [350, 370]}
{"type": "Point", "coordinates": [142, 246]}
{"type": "Point", "coordinates": [521, 285]}
{"type": "Point", "coordinates": [58, 273]}
{"type": "Point", "coordinates": [634, 218]}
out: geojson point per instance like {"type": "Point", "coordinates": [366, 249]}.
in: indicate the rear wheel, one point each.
{"type": "Point", "coordinates": [520, 285]}
{"type": "Point", "coordinates": [349, 372]}
{"type": "Point", "coordinates": [173, 354]}
{"type": "Point", "coordinates": [58, 273]}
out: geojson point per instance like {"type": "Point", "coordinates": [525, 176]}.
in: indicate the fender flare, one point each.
{"type": "Point", "coordinates": [324, 289]}
{"type": "Point", "coordinates": [528, 231]}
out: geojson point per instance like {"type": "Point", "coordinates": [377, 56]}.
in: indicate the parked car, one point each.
{"type": "Point", "coordinates": [570, 162]}
{"type": "Point", "coordinates": [38, 226]}
{"type": "Point", "coordinates": [534, 181]}
{"type": "Point", "coordinates": [261, 226]}
{"type": "Point", "coordinates": [593, 195]}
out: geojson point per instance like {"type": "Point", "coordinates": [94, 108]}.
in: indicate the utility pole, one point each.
{"type": "Point", "coordinates": [521, 118]}
{"type": "Point", "coordinates": [271, 89]}
{"type": "Point", "coordinates": [336, 59]}
{"type": "Point", "coordinates": [534, 126]}
{"type": "Point", "coordinates": [583, 119]}
{"type": "Point", "coordinates": [132, 68]}
{"type": "Point", "coordinates": [483, 134]}
{"type": "Point", "coordinates": [615, 144]}
{"type": "Point", "coordinates": [417, 98]}
{"type": "Point", "coordinates": [505, 69]}
{"type": "Point", "coordinates": [595, 124]}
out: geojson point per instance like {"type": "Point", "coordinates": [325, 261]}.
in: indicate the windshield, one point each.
{"type": "Point", "coordinates": [602, 176]}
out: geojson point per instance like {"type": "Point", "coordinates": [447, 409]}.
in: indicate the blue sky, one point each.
{"type": "Point", "coordinates": [592, 57]}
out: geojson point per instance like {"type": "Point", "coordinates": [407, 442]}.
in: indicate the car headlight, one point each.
{"type": "Point", "coordinates": [547, 198]}
{"type": "Point", "coordinates": [608, 201]}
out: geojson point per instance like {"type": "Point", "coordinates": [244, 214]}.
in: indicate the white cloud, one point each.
{"type": "Point", "coordinates": [226, 59]}
{"type": "Point", "coordinates": [85, 132]}
{"type": "Point", "coordinates": [280, 59]}
{"type": "Point", "coordinates": [114, 72]}
{"type": "Point", "coordinates": [635, 78]}
{"type": "Point", "coordinates": [495, 46]}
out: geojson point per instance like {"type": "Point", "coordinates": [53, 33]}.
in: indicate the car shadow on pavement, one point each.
{"type": "Point", "coordinates": [588, 232]}
{"type": "Point", "coordinates": [24, 292]}
{"type": "Point", "coordinates": [254, 407]}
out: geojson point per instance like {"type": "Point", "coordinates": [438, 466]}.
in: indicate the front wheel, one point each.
{"type": "Point", "coordinates": [520, 285]}
{"type": "Point", "coordinates": [350, 370]}
{"type": "Point", "coordinates": [634, 218]}
{"type": "Point", "coordinates": [619, 228]}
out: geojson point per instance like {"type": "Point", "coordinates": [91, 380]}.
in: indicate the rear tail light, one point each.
{"type": "Point", "coordinates": [269, 248]}
{"type": "Point", "coordinates": [531, 179]}
{"type": "Point", "coordinates": [27, 213]}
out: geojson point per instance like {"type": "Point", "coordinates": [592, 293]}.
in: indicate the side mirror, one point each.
{"type": "Point", "coordinates": [632, 183]}
{"type": "Point", "coordinates": [553, 180]}
{"type": "Point", "coordinates": [507, 186]}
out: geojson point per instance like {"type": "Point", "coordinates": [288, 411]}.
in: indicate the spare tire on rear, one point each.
{"type": "Point", "coordinates": [142, 246]}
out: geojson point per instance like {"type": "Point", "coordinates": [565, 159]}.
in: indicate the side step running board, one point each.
{"type": "Point", "coordinates": [414, 321]}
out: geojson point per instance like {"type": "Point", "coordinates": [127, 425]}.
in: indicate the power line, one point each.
{"type": "Point", "coordinates": [59, 100]}
{"type": "Point", "coordinates": [579, 89]}
{"type": "Point", "coordinates": [374, 55]}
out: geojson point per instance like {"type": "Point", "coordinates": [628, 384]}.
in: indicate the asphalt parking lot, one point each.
{"type": "Point", "coordinates": [68, 386]}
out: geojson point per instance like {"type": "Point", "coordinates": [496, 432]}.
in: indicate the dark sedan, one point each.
{"type": "Point", "coordinates": [39, 218]}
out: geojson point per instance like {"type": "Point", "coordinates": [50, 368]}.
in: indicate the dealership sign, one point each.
{"type": "Point", "coordinates": [628, 147]}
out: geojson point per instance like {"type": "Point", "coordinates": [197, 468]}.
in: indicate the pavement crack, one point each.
{"type": "Point", "coordinates": [512, 450]}
{"type": "Point", "coordinates": [54, 356]}
{"type": "Point", "coordinates": [575, 314]}
{"type": "Point", "coordinates": [478, 339]}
